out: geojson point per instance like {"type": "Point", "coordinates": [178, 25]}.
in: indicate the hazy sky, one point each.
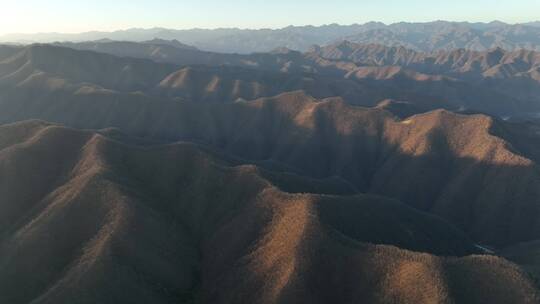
{"type": "Point", "coordinates": [76, 16]}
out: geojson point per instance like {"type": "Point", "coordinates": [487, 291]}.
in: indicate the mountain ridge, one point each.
{"type": "Point", "coordinates": [433, 35]}
{"type": "Point", "coordinates": [125, 195]}
{"type": "Point", "coordinates": [499, 89]}
{"type": "Point", "coordinates": [370, 148]}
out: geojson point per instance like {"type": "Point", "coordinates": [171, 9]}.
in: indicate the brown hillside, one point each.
{"type": "Point", "coordinates": [87, 219]}
{"type": "Point", "coordinates": [475, 171]}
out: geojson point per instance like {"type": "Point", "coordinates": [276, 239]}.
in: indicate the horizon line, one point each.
{"type": "Point", "coordinates": [261, 28]}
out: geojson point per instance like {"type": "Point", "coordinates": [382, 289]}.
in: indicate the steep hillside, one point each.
{"type": "Point", "coordinates": [50, 67]}
{"type": "Point", "coordinates": [495, 63]}
{"type": "Point", "coordinates": [505, 85]}
{"type": "Point", "coordinates": [475, 171]}
{"type": "Point", "coordinates": [527, 255]}
{"type": "Point", "coordinates": [114, 222]}
{"type": "Point", "coordinates": [227, 78]}
{"type": "Point", "coordinates": [227, 84]}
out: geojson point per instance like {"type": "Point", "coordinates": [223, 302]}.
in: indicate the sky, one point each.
{"type": "Point", "coordinates": [32, 16]}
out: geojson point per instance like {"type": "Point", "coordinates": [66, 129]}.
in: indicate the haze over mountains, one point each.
{"type": "Point", "coordinates": [373, 164]}
{"type": "Point", "coordinates": [427, 37]}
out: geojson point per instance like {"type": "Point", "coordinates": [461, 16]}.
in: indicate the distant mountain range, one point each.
{"type": "Point", "coordinates": [425, 37]}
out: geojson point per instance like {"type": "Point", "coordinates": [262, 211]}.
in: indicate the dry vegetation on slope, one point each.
{"type": "Point", "coordinates": [89, 219]}
{"type": "Point", "coordinates": [477, 172]}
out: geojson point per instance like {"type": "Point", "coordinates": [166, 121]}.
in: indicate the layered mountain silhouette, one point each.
{"type": "Point", "coordinates": [460, 63]}
{"type": "Point", "coordinates": [156, 170]}
{"type": "Point", "coordinates": [429, 36]}
{"type": "Point", "coordinates": [451, 81]}
{"type": "Point", "coordinates": [495, 63]}
{"type": "Point", "coordinates": [114, 221]}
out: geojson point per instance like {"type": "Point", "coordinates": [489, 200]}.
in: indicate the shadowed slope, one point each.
{"type": "Point", "coordinates": [45, 69]}
{"type": "Point", "coordinates": [461, 167]}
{"type": "Point", "coordinates": [453, 165]}
{"type": "Point", "coordinates": [39, 71]}
{"type": "Point", "coordinates": [527, 255]}
{"type": "Point", "coordinates": [228, 84]}
{"type": "Point", "coordinates": [42, 70]}
{"type": "Point", "coordinates": [118, 223]}
{"type": "Point", "coordinates": [494, 81]}
{"type": "Point", "coordinates": [51, 67]}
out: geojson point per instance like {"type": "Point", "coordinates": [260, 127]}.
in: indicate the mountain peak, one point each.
{"type": "Point", "coordinates": [174, 43]}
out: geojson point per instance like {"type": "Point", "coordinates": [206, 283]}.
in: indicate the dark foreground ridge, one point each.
{"type": "Point", "coordinates": [90, 219]}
